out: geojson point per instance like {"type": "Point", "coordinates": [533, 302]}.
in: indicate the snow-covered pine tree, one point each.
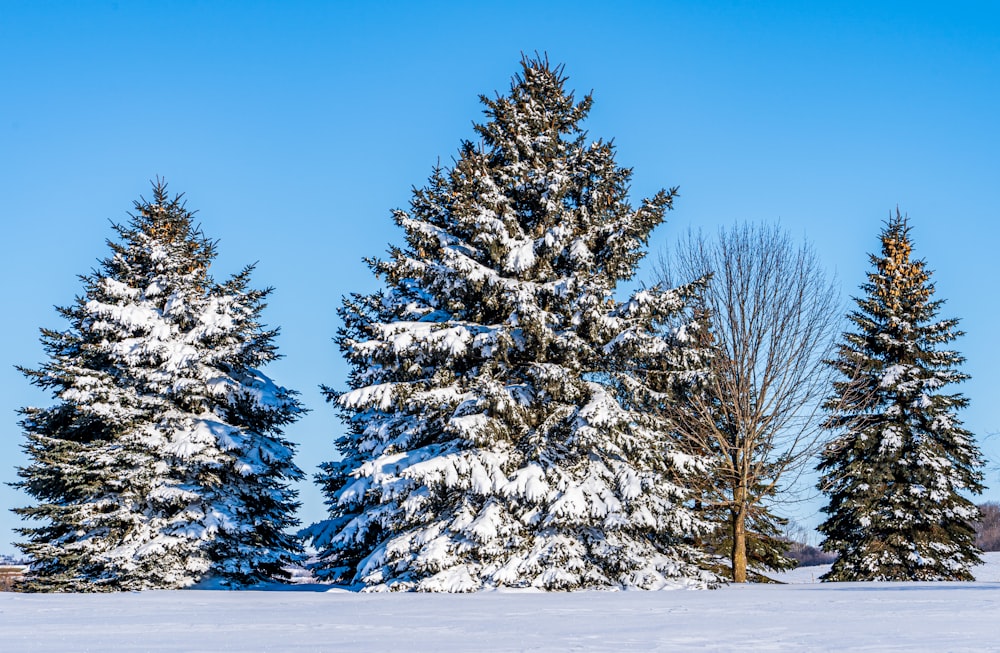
{"type": "Point", "coordinates": [898, 469]}
{"type": "Point", "coordinates": [162, 461]}
{"type": "Point", "coordinates": [502, 430]}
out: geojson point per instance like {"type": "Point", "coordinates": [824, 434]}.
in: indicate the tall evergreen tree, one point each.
{"type": "Point", "coordinates": [162, 460]}
{"type": "Point", "coordinates": [896, 473]}
{"type": "Point", "coordinates": [502, 429]}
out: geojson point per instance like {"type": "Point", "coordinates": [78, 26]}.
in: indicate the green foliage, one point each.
{"type": "Point", "coordinates": [162, 460]}
{"type": "Point", "coordinates": [502, 429]}
{"type": "Point", "coordinates": [899, 469]}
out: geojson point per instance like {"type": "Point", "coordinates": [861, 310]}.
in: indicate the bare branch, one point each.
{"type": "Point", "coordinates": [771, 314]}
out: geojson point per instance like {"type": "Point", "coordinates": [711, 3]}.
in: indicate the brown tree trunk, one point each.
{"type": "Point", "coordinates": [739, 553]}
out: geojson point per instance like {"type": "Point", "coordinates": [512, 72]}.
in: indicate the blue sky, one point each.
{"type": "Point", "coordinates": [295, 127]}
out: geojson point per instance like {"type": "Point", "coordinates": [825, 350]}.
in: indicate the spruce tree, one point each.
{"type": "Point", "coordinates": [898, 471]}
{"type": "Point", "coordinates": [502, 427]}
{"type": "Point", "coordinates": [162, 460]}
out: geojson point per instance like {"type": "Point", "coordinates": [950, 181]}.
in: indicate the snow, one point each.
{"type": "Point", "coordinates": [799, 616]}
{"type": "Point", "coordinates": [892, 375]}
{"type": "Point", "coordinates": [521, 257]}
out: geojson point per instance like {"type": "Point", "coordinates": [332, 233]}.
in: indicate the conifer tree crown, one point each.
{"type": "Point", "coordinates": [162, 460]}
{"type": "Point", "coordinates": [502, 425]}
{"type": "Point", "coordinates": [897, 472]}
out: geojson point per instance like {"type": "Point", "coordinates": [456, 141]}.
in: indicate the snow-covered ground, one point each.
{"type": "Point", "coordinates": [800, 616]}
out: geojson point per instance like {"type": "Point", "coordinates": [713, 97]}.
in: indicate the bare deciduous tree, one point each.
{"type": "Point", "coordinates": [771, 314]}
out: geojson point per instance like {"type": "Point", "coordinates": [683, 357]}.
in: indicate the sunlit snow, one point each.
{"type": "Point", "coordinates": [800, 616]}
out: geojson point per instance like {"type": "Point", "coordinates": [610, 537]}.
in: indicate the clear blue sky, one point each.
{"type": "Point", "coordinates": [295, 127]}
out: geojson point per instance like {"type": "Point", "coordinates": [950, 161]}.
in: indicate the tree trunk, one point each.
{"type": "Point", "coordinates": [739, 552]}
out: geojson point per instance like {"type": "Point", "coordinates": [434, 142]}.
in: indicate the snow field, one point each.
{"type": "Point", "coordinates": [907, 617]}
